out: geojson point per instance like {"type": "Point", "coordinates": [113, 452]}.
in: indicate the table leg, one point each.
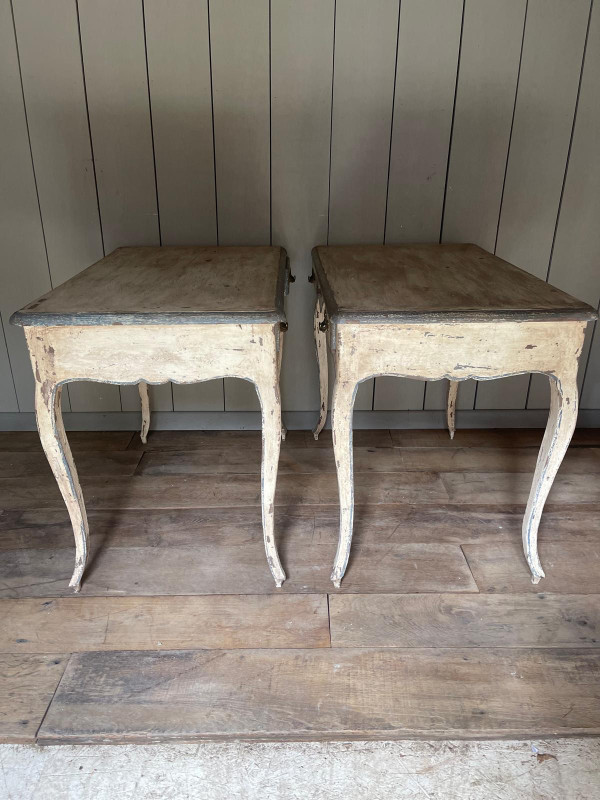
{"type": "Point", "coordinates": [55, 444]}
{"type": "Point", "coordinates": [271, 443]}
{"type": "Point", "coordinates": [145, 400]}
{"type": "Point", "coordinates": [282, 330]}
{"type": "Point", "coordinates": [451, 407]}
{"type": "Point", "coordinates": [559, 430]}
{"type": "Point", "coordinates": [342, 405]}
{"type": "Point", "coordinates": [321, 346]}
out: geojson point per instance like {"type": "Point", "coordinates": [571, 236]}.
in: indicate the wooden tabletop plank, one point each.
{"type": "Point", "coordinates": [465, 620]}
{"type": "Point", "coordinates": [569, 566]}
{"type": "Point", "coordinates": [170, 285]}
{"type": "Point", "coordinates": [434, 281]}
{"type": "Point", "coordinates": [324, 694]}
{"type": "Point", "coordinates": [27, 684]}
{"type": "Point", "coordinates": [217, 569]}
{"type": "Point", "coordinates": [80, 624]}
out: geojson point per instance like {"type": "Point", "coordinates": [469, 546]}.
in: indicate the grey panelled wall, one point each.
{"type": "Point", "coordinates": [256, 121]}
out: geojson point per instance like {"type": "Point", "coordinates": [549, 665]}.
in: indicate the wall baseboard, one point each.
{"type": "Point", "coordinates": [294, 420]}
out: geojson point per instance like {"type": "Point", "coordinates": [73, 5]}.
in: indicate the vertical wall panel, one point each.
{"type": "Point", "coordinates": [240, 68]}
{"type": "Point", "coordinates": [590, 396]}
{"type": "Point", "coordinates": [48, 41]}
{"type": "Point", "coordinates": [575, 265]}
{"type": "Point", "coordinates": [114, 58]}
{"type": "Point", "coordinates": [178, 49]}
{"type": "Point", "coordinates": [8, 395]}
{"type": "Point", "coordinates": [485, 97]}
{"type": "Point", "coordinates": [23, 266]}
{"type": "Point", "coordinates": [550, 69]}
{"type": "Point", "coordinates": [428, 47]}
{"type": "Point", "coordinates": [364, 69]}
{"type": "Point", "coordinates": [301, 69]}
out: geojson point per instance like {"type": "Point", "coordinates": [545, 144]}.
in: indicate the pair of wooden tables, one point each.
{"type": "Point", "coordinates": [186, 314]}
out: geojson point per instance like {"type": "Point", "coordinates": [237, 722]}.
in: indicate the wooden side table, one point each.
{"type": "Point", "coordinates": [443, 311]}
{"type": "Point", "coordinates": [157, 314]}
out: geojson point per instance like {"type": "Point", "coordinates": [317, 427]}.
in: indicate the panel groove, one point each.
{"type": "Point", "coordinates": [387, 192]}
{"type": "Point", "coordinates": [511, 124]}
{"type": "Point", "coordinates": [87, 113]}
{"type": "Point", "coordinates": [29, 142]}
{"type": "Point", "coordinates": [151, 128]}
{"type": "Point", "coordinates": [331, 118]}
{"type": "Point", "coordinates": [462, 25]}
{"type": "Point", "coordinates": [212, 115]}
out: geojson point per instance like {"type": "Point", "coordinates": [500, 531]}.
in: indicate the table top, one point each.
{"type": "Point", "coordinates": [434, 282]}
{"type": "Point", "coordinates": [169, 285]}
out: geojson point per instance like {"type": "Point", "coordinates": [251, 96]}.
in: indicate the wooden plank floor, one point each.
{"type": "Point", "coordinates": [179, 632]}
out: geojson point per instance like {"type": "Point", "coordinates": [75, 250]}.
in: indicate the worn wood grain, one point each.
{"type": "Point", "coordinates": [446, 280]}
{"type": "Point", "coordinates": [216, 491]}
{"type": "Point", "coordinates": [80, 441]}
{"type": "Point", "coordinates": [325, 694]}
{"type": "Point", "coordinates": [499, 488]}
{"type": "Point", "coordinates": [237, 569]}
{"type": "Point", "coordinates": [571, 566]}
{"type": "Point", "coordinates": [27, 684]}
{"type": "Point", "coordinates": [167, 623]}
{"type": "Point", "coordinates": [139, 284]}
{"type": "Point", "coordinates": [302, 525]}
{"type": "Point", "coordinates": [584, 461]}
{"type": "Point", "coordinates": [510, 437]}
{"type": "Point", "coordinates": [113, 463]}
{"type": "Point", "coordinates": [138, 528]}
{"type": "Point", "coordinates": [451, 620]}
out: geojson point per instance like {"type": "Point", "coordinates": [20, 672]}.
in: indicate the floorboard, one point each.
{"type": "Point", "coordinates": [462, 620]}
{"type": "Point", "coordinates": [501, 488]}
{"type": "Point", "coordinates": [27, 684]}
{"type": "Point", "coordinates": [214, 569]}
{"type": "Point", "coordinates": [497, 437]}
{"type": "Point", "coordinates": [215, 491]}
{"type": "Point", "coordinates": [80, 441]}
{"type": "Point", "coordinates": [169, 623]}
{"type": "Point", "coordinates": [180, 633]}
{"type": "Point", "coordinates": [580, 460]}
{"type": "Point", "coordinates": [568, 566]}
{"type": "Point", "coordinates": [324, 694]}
{"type": "Point", "coordinates": [306, 524]}
{"type": "Point", "coordinates": [104, 463]}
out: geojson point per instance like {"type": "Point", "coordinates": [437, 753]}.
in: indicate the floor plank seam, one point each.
{"type": "Point", "coordinates": [35, 735]}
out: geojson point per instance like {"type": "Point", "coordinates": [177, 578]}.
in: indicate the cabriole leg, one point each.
{"type": "Point", "coordinates": [451, 407]}
{"type": "Point", "coordinates": [341, 423]}
{"type": "Point", "coordinates": [54, 441]}
{"type": "Point", "coordinates": [271, 443]}
{"type": "Point", "coordinates": [145, 400]}
{"type": "Point", "coordinates": [321, 347]}
{"type": "Point", "coordinates": [559, 430]}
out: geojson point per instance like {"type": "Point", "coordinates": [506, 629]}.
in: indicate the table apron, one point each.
{"type": "Point", "coordinates": [153, 353]}
{"type": "Point", "coordinates": [457, 351]}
